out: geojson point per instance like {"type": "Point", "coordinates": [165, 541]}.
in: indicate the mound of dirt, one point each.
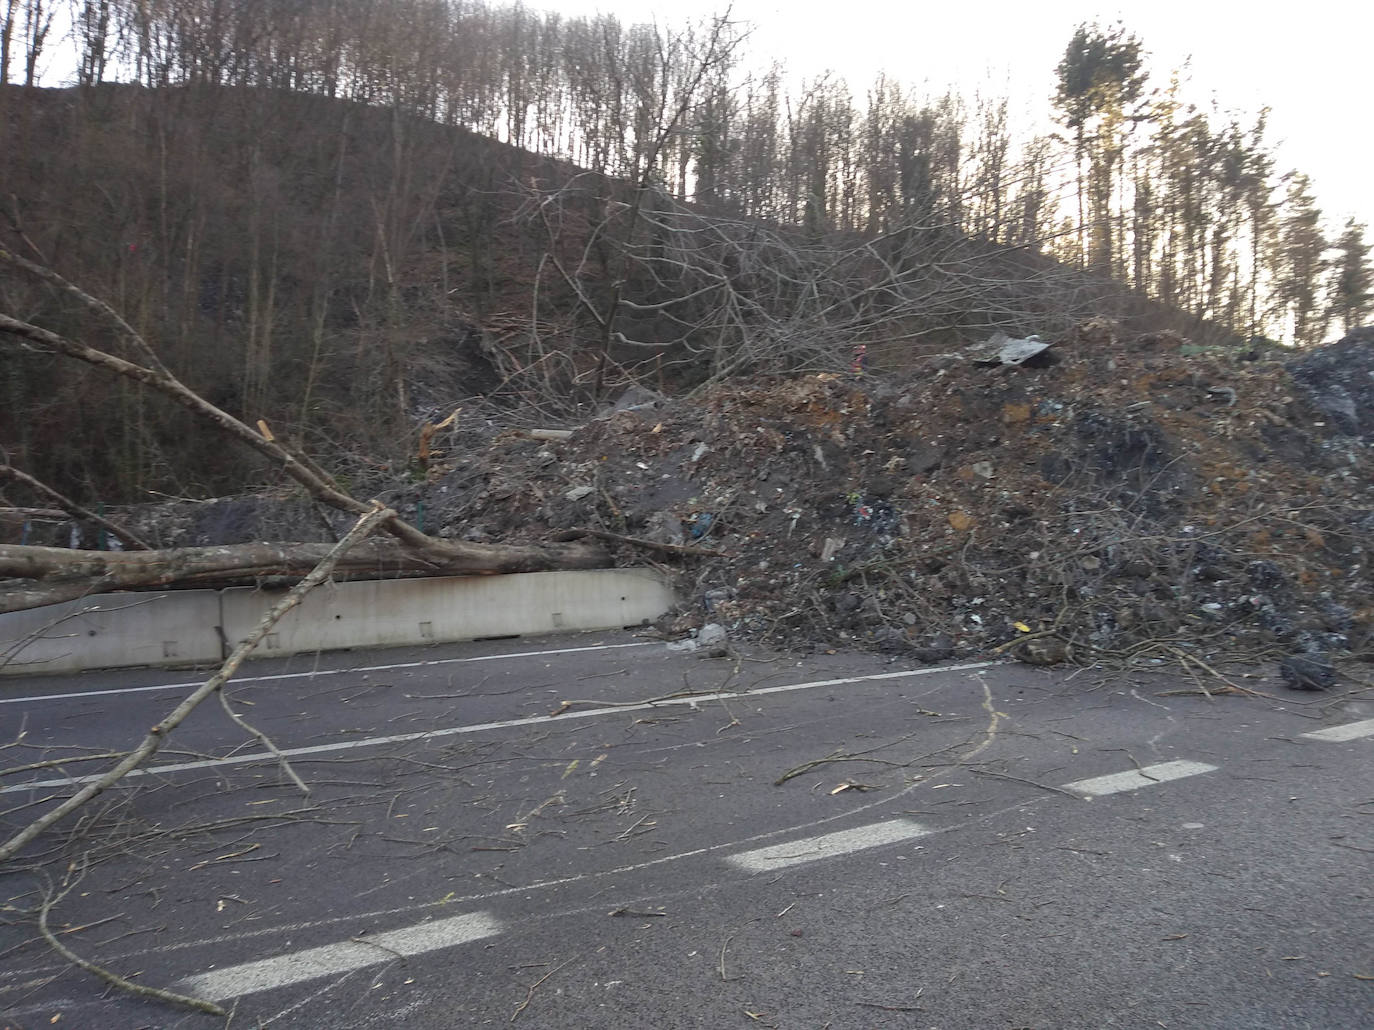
{"type": "Point", "coordinates": [1121, 499]}
{"type": "Point", "coordinates": [1103, 499]}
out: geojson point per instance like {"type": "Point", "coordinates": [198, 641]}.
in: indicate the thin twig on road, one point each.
{"type": "Point", "coordinates": [159, 733]}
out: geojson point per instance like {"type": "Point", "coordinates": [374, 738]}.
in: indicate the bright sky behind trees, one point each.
{"type": "Point", "coordinates": [1309, 63]}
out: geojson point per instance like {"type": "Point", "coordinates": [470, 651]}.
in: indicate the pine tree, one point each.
{"type": "Point", "coordinates": [1101, 75]}
{"type": "Point", "coordinates": [1301, 262]}
{"type": "Point", "coordinates": [1259, 205]}
{"type": "Point", "coordinates": [1352, 281]}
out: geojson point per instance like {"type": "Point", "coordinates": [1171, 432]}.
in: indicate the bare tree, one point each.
{"type": "Point", "coordinates": [38, 18]}
{"type": "Point", "coordinates": [8, 22]}
{"type": "Point", "coordinates": [93, 24]}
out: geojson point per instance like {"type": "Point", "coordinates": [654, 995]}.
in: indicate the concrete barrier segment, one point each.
{"type": "Point", "coordinates": [108, 631]}
{"type": "Point", "coordinates": [184, 627]}
{"type": "Point", "coordinates": [383, 613]}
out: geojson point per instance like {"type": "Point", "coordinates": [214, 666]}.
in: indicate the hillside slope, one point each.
{"type": "Point", "coordinates": [345, 272]}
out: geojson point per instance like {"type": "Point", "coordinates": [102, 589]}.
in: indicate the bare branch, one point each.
{"type": "Point", "coordinates": [71, 507]}
{"type": "Point", "coordinates": [155, 738]}
{"type": "Point", "coordinates": [158, 993]}
{"type": "Point", "coordinates": [302, 471]}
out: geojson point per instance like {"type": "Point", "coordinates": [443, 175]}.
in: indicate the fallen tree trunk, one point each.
{"type": "Point", "coordinates": [47, 575]}
{"type": "Point", "coordinates": [33, 576]}
{"type": "Point", "coordinates": [155, 376]}
{"type": "Point", "coordinates": [46, 514]}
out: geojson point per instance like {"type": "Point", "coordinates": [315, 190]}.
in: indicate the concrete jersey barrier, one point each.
{"type": "Point", "coordinates": [195, 627]}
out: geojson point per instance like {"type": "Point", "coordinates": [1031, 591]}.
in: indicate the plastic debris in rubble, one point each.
{"type": "Point", "coordinates": [1001, 349]}
{"type": "Point", "coordinates": [875, 513]}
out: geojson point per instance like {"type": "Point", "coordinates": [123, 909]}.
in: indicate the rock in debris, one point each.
{"type": "Point", "coordinates": [637, 398]}
{"type": "Point", "coordinates": [936, 648]}
{"type": "Point", "coordinates": [1041, 651]}
{"type": "Point", "coordinates": [713, 641]}
{"type": "Point", "coordinates": [1312, 671]}
{"type": "Point", "coordinates": [665, 528]}
{"type": "Point", "coordinates": [717, 596]}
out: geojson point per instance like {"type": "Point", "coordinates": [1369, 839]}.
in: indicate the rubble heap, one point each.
{"type": "Point", "coordinates": [1098, 498]}
{"type": "Point", "coordinates": [1093, 498]}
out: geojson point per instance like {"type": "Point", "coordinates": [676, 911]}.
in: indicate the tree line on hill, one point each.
{"type": "Point", "coordinates": [1180, 202]}
{"type": "Point", "coordinates": [275, 195]}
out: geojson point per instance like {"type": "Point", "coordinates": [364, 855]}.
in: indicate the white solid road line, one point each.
{"type": "Point", "coordinates": [691, 700]}
{"type": "Point", "coordinates": [1339, 734]}
{"type": "Point", "coordinates": [842, 842]}
{"type": "Point", "coordinates": [1134, 779]}
{"type": "Point", "coordinates": [343, 957]}
{"type": "Point", "coordinates": [316, 673]}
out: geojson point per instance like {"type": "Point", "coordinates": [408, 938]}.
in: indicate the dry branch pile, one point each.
{"type": "Point", "coordinates": [1112, 499]}
{"type": "Point", "coordinates": [1123, 499]}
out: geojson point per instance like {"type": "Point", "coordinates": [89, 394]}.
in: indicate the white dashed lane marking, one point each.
{"type": "Point", "coordinates": [842, 842]}
{"type": "Point", "coordinates": [343, 957]}
{"type": "Point", "coordinates": [1134, 779]}
{"type": "Point", "coordinates": [1340, 734]}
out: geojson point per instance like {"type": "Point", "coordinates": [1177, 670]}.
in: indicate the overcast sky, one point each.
{"type": "Point", "coordinates": [1309, 62]}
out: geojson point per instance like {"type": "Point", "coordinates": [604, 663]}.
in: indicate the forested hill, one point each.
{"type": "Point", "coordinates": [288, 255]}
{"type": "Point", "coordinates": [306, 210]}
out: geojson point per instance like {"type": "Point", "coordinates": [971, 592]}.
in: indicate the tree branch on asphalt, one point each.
{"type": "Point", "coordinates": [988, 735]}
{"type": "Point", "coordinates": [159, 733]}
{"type": "Point", "coordinates": [529, 994]}
{"type": "Point", "coordinates": [264, 740]}
{"type": "Point", "coordinates": [114, 979]}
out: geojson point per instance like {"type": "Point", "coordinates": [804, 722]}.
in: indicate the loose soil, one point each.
{"type": "Point", "coordinates": [1108, 500]}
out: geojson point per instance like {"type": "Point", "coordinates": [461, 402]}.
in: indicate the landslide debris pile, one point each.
{"type": "Point", "coordinates": [1104, 499]}
{"type": "Point", "coordinates": [1107, 498]}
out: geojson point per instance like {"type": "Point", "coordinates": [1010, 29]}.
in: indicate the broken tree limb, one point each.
{"type": "Point", "coordinates": [158, 734]}
{"type": "Point", "coordinates": [265, 741]}
{"type": "Point", "coordinates": [73, 509]}
{"type": "Point", "coordinates": [554, 435]}
{"type": "Point", "coordinates": [168, 385]}
{"type": "Point", "coordinates": [48, 575]}
{"type": "Point", "coordinates": [114, 979]}
{"type": "Point", "coordinates": [638, 541]}
{"type": "Point", "coordinates": [298, 467]}
{"type": "Point", "coordinates": [109, 314]}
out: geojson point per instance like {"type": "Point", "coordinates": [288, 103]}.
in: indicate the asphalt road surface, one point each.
{"type": "Point", "coordinates": [596, 831]}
